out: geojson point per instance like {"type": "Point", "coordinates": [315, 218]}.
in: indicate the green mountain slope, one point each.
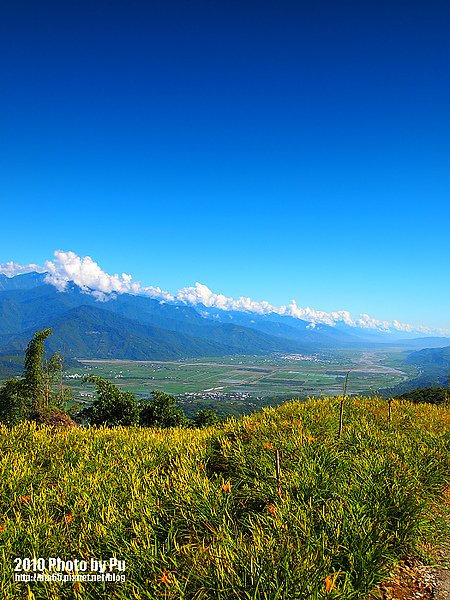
{"type": "Point", "coordinates": [93, 332]}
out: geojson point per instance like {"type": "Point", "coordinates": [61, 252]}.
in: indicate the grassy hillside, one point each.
{"type": "Point", "coordinates": [197, 515]}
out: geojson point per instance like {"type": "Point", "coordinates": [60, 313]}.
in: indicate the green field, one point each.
{"type": "Point", "coordinates": [235, 384]}
{"type": "Point", "coordinates": [202, 515]}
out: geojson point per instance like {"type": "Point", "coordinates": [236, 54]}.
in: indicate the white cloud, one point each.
{"type": "Point", "coordinates": [367, 322]}
{"type": "Point", "coordinates": [91, 278]}
{"type": "Point", "coordinates": [316, 316]}
{"type": "Point", "coordinates": [201, 294]}
{"type": "Point", "coordinates": [11, 269]}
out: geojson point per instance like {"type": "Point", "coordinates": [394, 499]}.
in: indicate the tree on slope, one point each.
{"type": "Point", "coordinates": [14, 404]}
{"type": "Point", "coordinates": [30, 396]}
{"type": "Point", "coordinates": [34, 378]}
{"type": "Point", "coordinates": [112, 406]}
{"type": "Point", "coordinates": [206, 417]}
{"type": "Point", "coordinates": [161, 411]}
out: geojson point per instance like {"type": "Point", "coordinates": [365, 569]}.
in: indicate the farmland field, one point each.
{"type": "Point", "coordinates": [237, 384]}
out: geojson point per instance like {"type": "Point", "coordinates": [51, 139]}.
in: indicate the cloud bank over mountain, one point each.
{"type": "Point", "coordinates": [91, 278]}
{"type": "Point", "coordinates": [11, 269]}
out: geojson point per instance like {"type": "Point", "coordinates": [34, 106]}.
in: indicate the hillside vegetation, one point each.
{"type": "Point", "coordinates": [433, 395]}
{"type": "Point", "coordinates": [200, 514]}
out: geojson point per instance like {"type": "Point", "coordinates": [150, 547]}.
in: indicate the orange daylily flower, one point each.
{"type": "Point", "coordinates": [226, 486]}
{"type": "Point", "coordinates": [68, 518]}
{"type": "Point", "coordinates": [25, 499]}
{"type": "Point", "coordinates": [2, 528]}
{"type": "Point", "coordinates": [268, 445]}
{"type": "Point", "coordinates": [328, 584]}
{"type": "Point", "coordinates": [272, 509]}
{"type": "Point", "coordinates": [165, 577]}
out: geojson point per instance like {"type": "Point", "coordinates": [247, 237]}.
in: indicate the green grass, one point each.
{"type": "Point", "coordinates": [195, 513]}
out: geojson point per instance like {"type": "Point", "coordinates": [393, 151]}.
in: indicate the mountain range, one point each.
{"type": "Point", "coordinates": [126, 326]}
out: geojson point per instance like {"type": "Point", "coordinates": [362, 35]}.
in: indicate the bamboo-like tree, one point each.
{"type": "Point", "coordinates": [34, 377]}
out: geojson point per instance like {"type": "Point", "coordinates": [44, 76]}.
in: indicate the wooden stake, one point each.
{"type": "Point", "coordinates": [345, 383]}
{"type": "Point", "coordinates": [278, 472]}
{"type": "Point", "coordinates": [341, 411]}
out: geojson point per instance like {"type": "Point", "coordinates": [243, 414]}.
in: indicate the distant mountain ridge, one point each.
{"type": "Point", "coordinates": [433, 365]}
{"type": "Point", "coordinates": [126, 326]}
{"type": "Point", "coordinates": [144, 328]}
{"type": "Point", "coordinates": [438, 358]}
{"type": "Point", "coordinates": [21, 282]}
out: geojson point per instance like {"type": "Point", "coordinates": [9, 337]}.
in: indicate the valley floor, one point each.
{"type": "Point", "coordinates": [240, 384]}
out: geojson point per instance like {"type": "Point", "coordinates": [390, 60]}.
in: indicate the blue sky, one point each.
{"type": "Point", "coordinates": [275, 150]}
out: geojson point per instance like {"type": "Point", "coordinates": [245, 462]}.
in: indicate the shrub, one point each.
{"type": "Point", "coordinates": [161, 411]}
{"type": "Point", "coordinates": [205, 418]}
{"type": "Point", "coordinates": [112, 407]}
